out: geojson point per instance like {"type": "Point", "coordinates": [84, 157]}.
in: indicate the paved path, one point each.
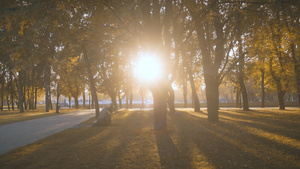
{"type": "Point", "coordinates": [22, 133]}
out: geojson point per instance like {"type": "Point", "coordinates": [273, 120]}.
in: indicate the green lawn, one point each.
{"type": "Point", "coordinates": [260, 138]}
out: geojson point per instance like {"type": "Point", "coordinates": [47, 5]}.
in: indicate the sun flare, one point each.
{"type": "Point", "coordinates": [148, 68]}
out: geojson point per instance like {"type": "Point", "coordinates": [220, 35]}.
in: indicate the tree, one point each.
{"type": "Point", "coordinates": [213, 33]}
{"type": "Point", "coordinates": [291, 25]}
{"type": "Point", "coordinates": [71, 76]}
{"type": "Point", "coordinates": [111, 76]}
{"type": "Point", "coordinates": [154, 24]}
{"type": "Point", "coordinates": [188, 63]}
{"type": "Point", "coordinates": [152, 27]}
{"type": "Point", "coordinates": [275, 48]}
{"type": "Point", "coordinates": [98, 41]}
{"type": "Point", "coordinates": [241, 54]}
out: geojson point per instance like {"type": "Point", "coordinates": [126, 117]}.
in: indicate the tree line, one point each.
{"type": "Point", "coordinates": [93, 44]}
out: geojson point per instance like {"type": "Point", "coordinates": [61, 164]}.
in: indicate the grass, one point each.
{"type": "Point", "coordinates": [12, 116]}
{"type": "Point", "coordinates": [259, 138]}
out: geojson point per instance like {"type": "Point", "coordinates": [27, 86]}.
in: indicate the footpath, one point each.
{"type": "Point", "coordinates": [19, 134]}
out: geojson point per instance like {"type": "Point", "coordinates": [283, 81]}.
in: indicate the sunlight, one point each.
{"type": "Point", "coordinates": [148, 68]}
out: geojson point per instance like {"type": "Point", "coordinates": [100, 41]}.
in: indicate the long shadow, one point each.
{"type": "Point", "coordinates": [180, 111]}
{"type": "Point", "coordinates": [265, 115]}
{"type": "Point", "coordinates": [131, 148]}
{"type": "Point", "coordinates": [227, 146]}
{"type": "Point", "coordinates": [205, 140]}
{"type": "Point", "coordinates": [168, 153]}
{"type": "Point", "coordinates": [190, 142]}
{"type": "Point", "coordinates": [285, 127]}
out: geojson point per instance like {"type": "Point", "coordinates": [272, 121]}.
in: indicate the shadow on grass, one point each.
{"type": "Point", "coordinates": [230, 145]}
{"type": "Point", "coordinates": [277, 123]}
{"type": "Point", "coordinates": [128, 143]}
{"type": "Point", "coordinates": [168, 153]}
{"type": "Point", "coordinates": [190, 142]}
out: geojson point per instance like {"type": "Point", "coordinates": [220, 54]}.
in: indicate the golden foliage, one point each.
{"type": "Point", "coordinates": [15, 56]}
{"type": "Point", "coordinates": [8, 26]}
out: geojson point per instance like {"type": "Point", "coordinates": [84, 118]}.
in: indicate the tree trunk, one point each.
{"type": "Point", "coordinates": [35, 97]}
{"type": "Point", "coordinates": [50, 101]}
{"type": "Point", "coordinates": [20, 92]}
{"type": "Point", "coordinates": [28, 96]}
{"type": "Point", "coordinates": [2, 90]}
{"type": "Point", "coordinates": [28, 90]}
{"type": "Point", "coordinates": [57, 98]}
{"type": "Point", "coordinates": [7, 101]}
{"type": "Point", "coordinates": [185, 92]}
{"type": "Point", "coordinates": [12, 91]}
{"type": "Point", "coordinates": [31, 104]}
{"type": "Point", "coordinates": [281, 99]}
{"type": "Point", "coordinates": [113, 97]}
{"type": "Point", "coordinates": [171, 100]}
{"type": "Point", "coordinates": [237, 97]}
{"type": "Point", "coordinates": [160, 109]}
{"type": "Point", "coordinates": [212, 96]}
{"type": "Point", "coordinates": [32, 97]}
{"type": "Point", "coordinates": [89, 100]}
{"type": "Point", "coordinates": [24, 92]}
{"type": "Point", "coordinates": [131, 100]}
{"type": "Point", "coordinates": [244, 95]}
{"type": "Point", "coordinates": [50, 97]}
{"type": "Point", "coordinates": [127, 100]}
{"type": "Point", "coordinates": [91, 79]}
{"type": "Point", "coordinates": [7, 97]}
{"type": "Point", "coordinates": [280, 94]}
{"type": "Point", "coordinates": [154, 28]}
{"type": "Point", "coordinates": [262, 88]}
{"type": "Point", "coordinates": [194, 92]}
{"type": "Point", "coordinates": [83, 96]}
{"type": "Point", "coordinates": [296, 61]}
{"type": "Point", "coordinates": [120, 100]}
{"type": "Point", "coordinates": [76, 102]}
{"type": "Point", "coordinates": [241, 74]}
{"type": "Point", "coordinates": [70, 102]}
{"type": "Point", "coordinates": [46, 75]}
{"type": "Point", "coordinates": [92, 104]}
{"type": "Point", "coordinates": [210, 67]}
{"type": "Point", "coordinates": [240, 100]}
{"type": "Point", "coordinates": [280, 91]}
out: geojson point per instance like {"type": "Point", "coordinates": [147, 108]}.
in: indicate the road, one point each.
{"type": "Point", "coordinates": [22, 133]}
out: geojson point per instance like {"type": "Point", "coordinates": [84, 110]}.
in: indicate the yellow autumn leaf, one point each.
{"type": "Point", "coordinates": [21, 31]}
{"type": "Point", "coordinates": [8, 26]}
{"type": "Point", "coordinates": [15, 56]}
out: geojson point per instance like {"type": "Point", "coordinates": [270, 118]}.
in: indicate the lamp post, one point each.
{"type": "Point", "coordinates": [57, 94]}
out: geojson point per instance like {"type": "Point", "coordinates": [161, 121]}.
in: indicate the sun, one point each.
{"type": "Point", "coordinates": [148, 68]}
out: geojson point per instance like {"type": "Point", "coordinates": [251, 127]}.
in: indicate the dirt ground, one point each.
{"type": "Point", "coordinates": [260, 138]}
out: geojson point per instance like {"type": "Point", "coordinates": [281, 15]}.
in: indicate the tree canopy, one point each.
{"type": "Point", "coordinates": [95, 44]}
